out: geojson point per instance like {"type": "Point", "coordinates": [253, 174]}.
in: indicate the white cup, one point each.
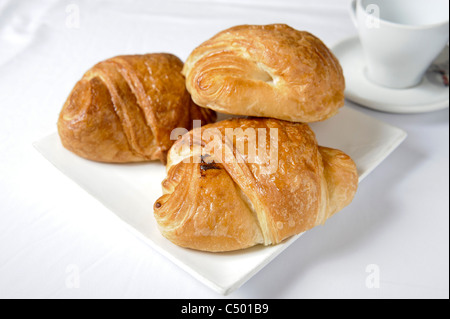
{"type": "Point", "coordinates": [400, 38]}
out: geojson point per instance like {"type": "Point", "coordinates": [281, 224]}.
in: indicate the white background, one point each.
{"type": "Point", "coordinates": [50, 229]}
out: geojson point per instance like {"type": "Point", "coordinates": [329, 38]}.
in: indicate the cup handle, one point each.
{"type": "Point", "coordinates": [353, 12]}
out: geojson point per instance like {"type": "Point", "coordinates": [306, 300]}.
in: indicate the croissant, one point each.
{"type": "Point", "coordinates": [242, 182]}
{"type": "Point", "coordinates": [266, 71]}
{"type": "Point", "coordinates": [124, 109]}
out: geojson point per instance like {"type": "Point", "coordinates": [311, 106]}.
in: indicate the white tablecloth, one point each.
{"type": "Point", "coordinates": [56, 241]}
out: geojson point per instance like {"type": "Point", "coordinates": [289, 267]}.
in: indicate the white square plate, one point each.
{"type": "Point", "coordinates": [129, 191]}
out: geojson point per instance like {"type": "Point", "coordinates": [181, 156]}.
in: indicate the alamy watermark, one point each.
{"type": "Point", "coordinates": [231, 145]}
{"type": "Point", "coordinates": [373, 277]}
{"type": "Point", "coordinates": [73, 16]}
{"type": "Point", "coordinates": [373, 16]}
{"type": "Point", "coordinates": [72, 277]}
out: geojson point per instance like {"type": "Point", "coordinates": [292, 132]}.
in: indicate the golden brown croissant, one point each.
{"type": "Point", "coordinates": [124, 109]}
{"type": "Point", "coordinates": [266, 71]}
{"type": "Point", "coordinates": [243, 182]}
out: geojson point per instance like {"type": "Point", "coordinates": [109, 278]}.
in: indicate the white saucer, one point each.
{"type": "Point", "coordinates": [430, 95]}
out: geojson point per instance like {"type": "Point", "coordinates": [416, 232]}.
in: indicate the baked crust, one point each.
{"type": "Point", "coordinates": [266, 71]}
{"type": "Point", "coordinates": [229, 203]}
{"type": "Point", "coordinates": [124, 109]}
